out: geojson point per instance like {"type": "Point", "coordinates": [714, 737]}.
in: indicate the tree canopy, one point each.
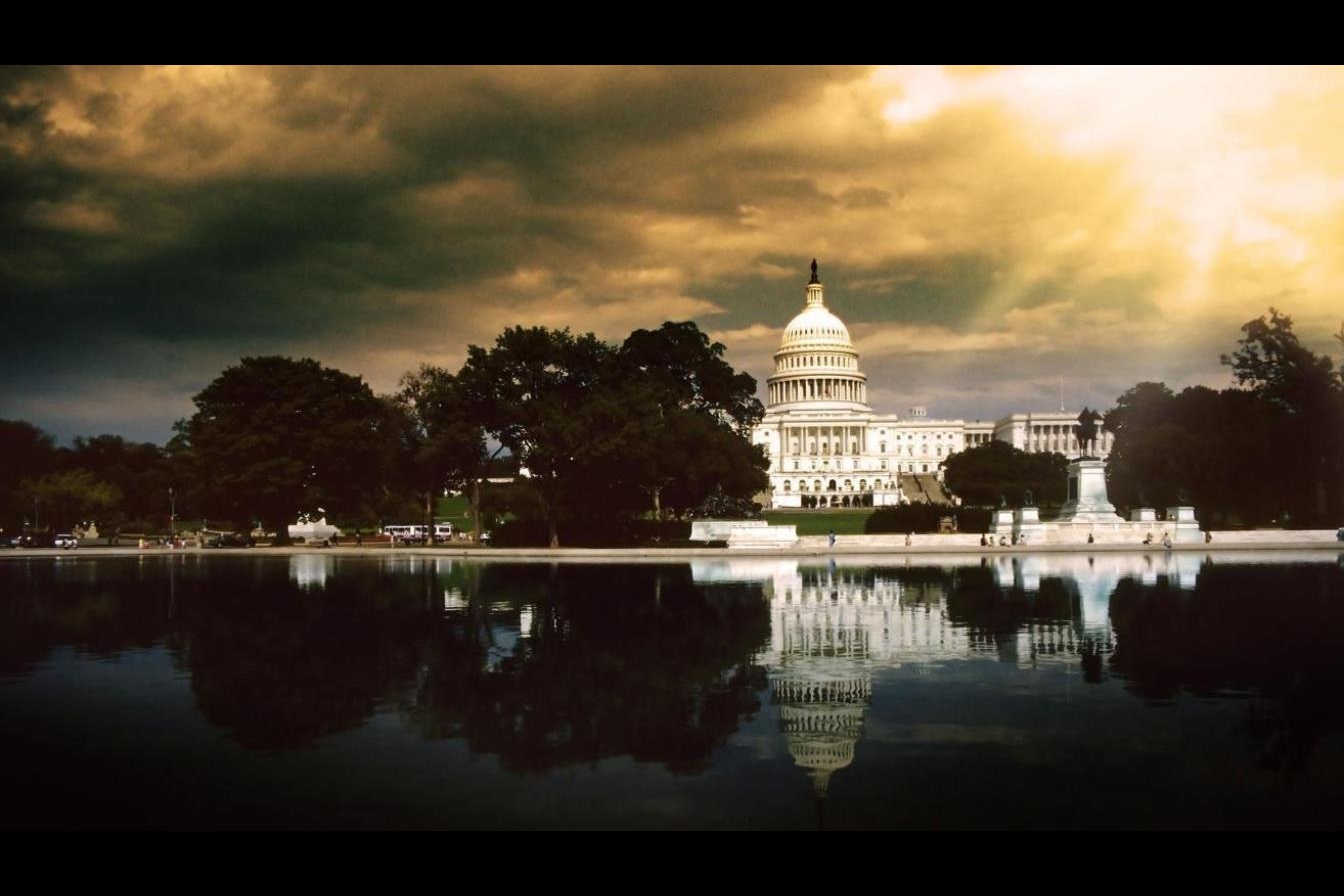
{"type": "Point", "coordinates": [1271, 451]}
{"type": "Point", "coordinates": [653, 425]}
{"type": "Point", "coordinates": [993, 470]}
{"type": "Point", "coordinates": [273, 437]}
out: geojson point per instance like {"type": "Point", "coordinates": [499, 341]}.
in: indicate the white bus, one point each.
{"type": "Point", "coordinates": [419, 534]}
{"type": "Point", "coordinates": [406, 533]}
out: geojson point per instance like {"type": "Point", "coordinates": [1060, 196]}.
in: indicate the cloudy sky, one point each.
{"type": "Point", "coordinates": [988, 234]}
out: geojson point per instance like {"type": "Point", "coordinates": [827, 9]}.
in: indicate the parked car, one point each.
{"type": "Point", "coordinates": [228, 540]}
{"type": "Point", "coordinates": [66, 541]}
{"type": "Point", "coordinates": [34, 540]}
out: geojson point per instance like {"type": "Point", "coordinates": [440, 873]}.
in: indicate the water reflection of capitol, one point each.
{"type": "Point", "coordinates": [833, 627]}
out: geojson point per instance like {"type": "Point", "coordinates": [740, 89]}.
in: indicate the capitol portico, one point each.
{"type": "Point", "coordinates": [827, 447]}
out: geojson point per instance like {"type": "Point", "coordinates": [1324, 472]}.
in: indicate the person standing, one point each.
{"type": "Point", "coordinates": [831, 537]}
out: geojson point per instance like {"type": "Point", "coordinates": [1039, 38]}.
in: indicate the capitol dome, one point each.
{"type": "Point", "coordinates": [816, 326]}
{"type": "Point", "coordinates": [816, 367]}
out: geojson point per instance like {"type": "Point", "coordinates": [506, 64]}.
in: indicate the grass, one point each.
{"type": "Point", "coordinates": [455, 509]}
{"type": "Point", "coordinates": [819, 522]}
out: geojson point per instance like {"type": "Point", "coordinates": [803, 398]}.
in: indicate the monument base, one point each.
{"type": "Point", "coordinates": [1087, 501]}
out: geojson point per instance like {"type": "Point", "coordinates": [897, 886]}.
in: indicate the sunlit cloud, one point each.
{"type": "Point", "coordinates": [985, 232]}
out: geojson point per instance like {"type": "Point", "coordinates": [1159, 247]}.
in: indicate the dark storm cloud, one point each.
{"type": "Point", "coordinates": [158, 223]}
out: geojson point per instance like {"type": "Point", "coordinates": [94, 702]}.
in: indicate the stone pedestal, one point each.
{"type": "Point", "coordinates": [1183, 525]}
{"type": "Point", "coordinates": [1087, 501]}
{"type": "Point", "coordinates": [1028, 524]}
{"type": "Point", "coordinates": [1143, 515]}
{"type": "Point", "coordinates": [1001, 523]}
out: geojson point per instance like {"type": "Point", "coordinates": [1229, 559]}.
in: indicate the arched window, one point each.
{"type": "Point", "coordinates": [816, 485]}
{"type": "Point", "coordinates": [802, 485]}
{"type": "Point", "coordinates": [831, 485]}
{"type": "Point", "coordinates": [863, 485]}
{"type": "Point", "coordinates": [849, 485]}
{"type": "Point", "coordinates": [786, 485]}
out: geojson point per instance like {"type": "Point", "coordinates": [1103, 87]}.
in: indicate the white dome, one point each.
{"type": "Point", "coordinates": [816, 367]}
{"type": "Point", "coordinates": [816, 326]}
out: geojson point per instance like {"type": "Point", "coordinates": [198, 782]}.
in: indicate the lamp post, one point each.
{"type": "Point", "coordinates": [172, 515]}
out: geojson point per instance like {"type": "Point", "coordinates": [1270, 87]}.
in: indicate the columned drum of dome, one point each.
{"type": "Point", "coordinates": [816, 367]}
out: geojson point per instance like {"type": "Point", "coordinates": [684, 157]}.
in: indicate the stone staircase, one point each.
{"type": "Point", "coordinates": [936, 491]}
{"type": "Point", "coordinates": [924, 489]}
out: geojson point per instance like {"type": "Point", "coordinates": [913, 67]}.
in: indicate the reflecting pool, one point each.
{"type": "Point", "coordinates": [1027, 691]}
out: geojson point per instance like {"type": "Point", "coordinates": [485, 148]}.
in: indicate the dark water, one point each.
{"type": "Point", "coordinates": [1025, 692]}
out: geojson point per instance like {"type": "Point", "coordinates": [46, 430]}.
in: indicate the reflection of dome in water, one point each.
{"type": "Point", "coordinates": [822, 722]}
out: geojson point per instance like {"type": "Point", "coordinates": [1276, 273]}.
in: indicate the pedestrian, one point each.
{"type": "Point", "coordinates": [1208, 537]}
{"type": "Point", "coordinates": [909, 539]}
{"type": "Point", "coordinates": [1166, 540]}
{"type": "Point", "coordinates": [359, 539]}
{"type": "Point", "coordinates": [831, 537]}
{"type": "Point", "coordinates": [984, 542]}
{"type": "Point", "coordinates": [1090, 539]}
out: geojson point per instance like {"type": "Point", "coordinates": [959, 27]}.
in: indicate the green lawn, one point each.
{"type": "Point", "coordinates": [820, 522]}
{"type": "Point", "coordinates": [455, 509]}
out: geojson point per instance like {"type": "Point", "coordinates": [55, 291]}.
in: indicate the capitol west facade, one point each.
{"type": "Point", "coordinates": [827, 448]}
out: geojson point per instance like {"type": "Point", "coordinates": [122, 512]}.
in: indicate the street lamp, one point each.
{"type": "Point", "coordinates": [172, 514]}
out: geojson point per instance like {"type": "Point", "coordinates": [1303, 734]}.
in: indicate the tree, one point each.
{"type": "Point", "coordinates": [1274, 364]}
{"type": "Point", "coordinates": [28, 453]}
{"type": "Point", "coordinates": [66, 499]}
{"type": "Point", "coordinates": [535, 392]}
{"type": "Point", "coordinates": [983, 474]}
{"type": "Point", "coordinates": [696, 414]}
{"type": "Point", "coordinates": [140, 471]}
{"type": "Point", "coordinates": [447, 440]}
{"type": "Point", "coordinates": [273, 437]}
{"type": "Point", "coordinates": [658, 424]}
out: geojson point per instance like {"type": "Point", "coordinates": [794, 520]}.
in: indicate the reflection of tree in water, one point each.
{"type": "Point", "coordinates": [1018, 623]}
{"type": "Point", "coordinates": [1273, 632]}
{"type": "Point", "coordinates": [279, 665]}
{"type": "Point", "coordinates": [79, 604]}
{"type": "Point", "coordinates": [617, 660]}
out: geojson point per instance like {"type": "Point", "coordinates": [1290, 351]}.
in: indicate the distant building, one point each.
{"type": "Point", "coordinates": [828, 448]}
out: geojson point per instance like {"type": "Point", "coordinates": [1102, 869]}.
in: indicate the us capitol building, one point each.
{"type": "Point", "coordinates": [827, 447]}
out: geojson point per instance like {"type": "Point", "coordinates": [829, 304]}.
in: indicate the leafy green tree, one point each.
{"type": "Point", "coordinates": [535, 391]}
{"type": "Point", "coordinates": [65, 499]}
{"type": "Point", "coordinates": [987, 472]}
{"type": "Point", "coordinates": [273, 437]}
{"type": "Point", "coordinates": [1273, 363]}
{"type": "Point", "coordinates": [140, 470]}
{"type": "Point", "coordinates": [28, 453]}
{"type": "Point", "coordinates": [692, 420]}
{"type": "Point", "coordinates": [446, 441]}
